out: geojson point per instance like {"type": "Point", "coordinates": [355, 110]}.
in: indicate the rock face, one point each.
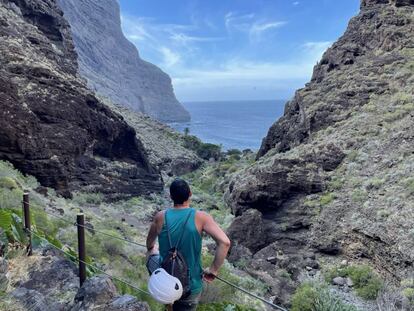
{"type": "Point", "coordinates": [334, 174]}
{"type": "Point", "coordinates": [111, 64]}
{"type": "Point", "coordinates": [52, 126]}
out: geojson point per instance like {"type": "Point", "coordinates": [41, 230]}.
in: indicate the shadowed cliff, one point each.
{"type": "Point", "coordinates": [52, 126]}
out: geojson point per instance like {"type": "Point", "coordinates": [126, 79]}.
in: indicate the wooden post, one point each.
{"type": "Point", "coordinates": [80, 221]}
{"type": "Point", "coordinates": [27, 223]}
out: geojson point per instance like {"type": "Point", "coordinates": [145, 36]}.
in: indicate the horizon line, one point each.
{"type": "Point", "coordinates": [231, 100]}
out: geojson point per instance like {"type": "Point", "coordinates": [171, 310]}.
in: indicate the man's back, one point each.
{"type": "Point", "coordinates": [190, 245]}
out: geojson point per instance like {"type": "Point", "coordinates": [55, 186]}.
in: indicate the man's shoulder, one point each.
{"type": "Point", "coordinates": [159, 215]}
{"type": "Point", "coordinates": [202, 215]}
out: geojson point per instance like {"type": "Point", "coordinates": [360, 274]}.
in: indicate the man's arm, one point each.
{"type": "Point", "coordinates": [223, 245]}
{"type": "Point", "coordinates": [154, 230]}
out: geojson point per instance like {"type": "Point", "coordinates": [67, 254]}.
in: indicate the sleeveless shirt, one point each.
{"type": "Point", "coordinates": [190, 246]}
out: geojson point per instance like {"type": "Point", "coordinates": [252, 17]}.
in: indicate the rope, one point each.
{"type": "Point", "coordinates": [95, 230]}
{"type": "Point", "coordinates": [251, 294]}
{"type": "Point", "coordinates": [111, 236]}
{"type": "Point", "coordinates": [59, 217]}
{"type": "Point", "coordinates": [91, 266]}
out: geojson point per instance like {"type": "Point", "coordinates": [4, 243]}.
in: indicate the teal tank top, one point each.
{"type": "Point", "coordinates": [190, 246]}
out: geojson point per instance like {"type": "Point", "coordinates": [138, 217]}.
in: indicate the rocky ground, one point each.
{"type": "Point", "coordinates": [48, 281]}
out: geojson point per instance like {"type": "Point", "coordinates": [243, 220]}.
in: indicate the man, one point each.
{"type": "Point", "coordinates": [196, 222]}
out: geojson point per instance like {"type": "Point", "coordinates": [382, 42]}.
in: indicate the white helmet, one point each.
{"type": "Point", "coordinates": [164, 287]}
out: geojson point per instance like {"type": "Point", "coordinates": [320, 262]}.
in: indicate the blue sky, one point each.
{"type": "Point", "coordinates": [235, 49]}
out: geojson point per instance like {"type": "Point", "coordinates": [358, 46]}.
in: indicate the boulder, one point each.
{"type": "Point", "coordinates": [339, 281]}
{"type": "Point", "coordinates": [96, 290]}
{"type": "Point", "coordinates": [247, 230]}
{"type": "Point", "coordinates": [99, 294]}
{"type": "Point", "coordinates": [33, 300]}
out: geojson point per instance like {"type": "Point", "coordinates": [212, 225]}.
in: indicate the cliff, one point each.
{"type": "Point", "coordinates": [52, 126]}
{"type": "Point", "coordinates": [334, 173]}
{"type": "Point", "coordinates": [111, 64]}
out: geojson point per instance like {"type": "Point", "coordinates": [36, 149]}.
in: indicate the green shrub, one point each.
{"type": "Point", "coordinates": [304, 298]}
{"type": "Point", "coordinates": [326, 198]}
{"type": "Point", "coordinates": [204, 150]}
{"type": "Point", "coordinates": [336, 183]}
{"type": "Point", "coordinates": [315, 297]}
{"type": "Point", "coordinates": [409, 293]}
{"type": "Point", "coordinates": [375, 183]}
{"type": "Point", "coordinates": [8, 183]}
{"type": "Point", "coordinates": [234, 152]}
{"type": "Point", "coordinates": [82, 198]}
{"type": "Point", "coordinates": [358, 196]}
{"type": "Point", "coordinates": [366, 283]}
{"type": "Point", "coordinates": [10, 198]}
{"type": "Point", "coordinates": [207, 151]}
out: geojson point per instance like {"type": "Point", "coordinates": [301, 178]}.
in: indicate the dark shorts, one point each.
{"type": "Point", "coordinates": [153, 263]}
{"type": "Point", "coordinates": [187, 304]}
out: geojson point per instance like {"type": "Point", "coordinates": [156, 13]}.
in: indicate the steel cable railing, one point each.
{"type": "Point", "coordinates": [90, 265]}
{"type": "Point", "coordinates": [134, 243]}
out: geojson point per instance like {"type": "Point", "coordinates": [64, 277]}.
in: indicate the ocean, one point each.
{"type": "Point", "coordinates": [232, 124]}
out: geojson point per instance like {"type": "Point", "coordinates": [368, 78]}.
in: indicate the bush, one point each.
{"type": "Point", "coordinates": [82, 198]}
{"type": "Point", "coordinates": [304, 298]}
{"type": "Point", "coordinates": [315, 297]}
{"type": "Point", "coordinates": [205, 151]}
{"type": "Point", "coordinates": [366, 283]}
{"type": "Point", "coordinates": [327, 198]}
{"type": "Point", "coordinates": [8, 183]}
{"type": "Point", "coordinates": [234, 152]}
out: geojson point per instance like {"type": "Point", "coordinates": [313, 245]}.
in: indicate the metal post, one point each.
{"type": "Point", "coordinates": [27, 223]}
{"type": "Point", "coordinates": [80, 221]}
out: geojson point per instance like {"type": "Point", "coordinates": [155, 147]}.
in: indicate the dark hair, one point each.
{"type": "Point", "coordinates": [179, 191]}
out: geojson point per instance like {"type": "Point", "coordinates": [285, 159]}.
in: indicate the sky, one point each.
{"type": "Point", "coordinates": [235, 49]}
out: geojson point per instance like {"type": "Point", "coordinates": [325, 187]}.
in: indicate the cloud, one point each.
{"type": "Point", "coordinates": [170, 58]}
{"type": "Point", "coordinates": [239, 22]}
{"type": "Point", "coordinates": [316, 48]}
{"type": "Point", "coordinates": [184, 39]}
{"type": "Point", "coordinates": [248, 24]}
{"type": "Point", "coordinates": [296, 3]}
{"type": "Point", "coordinates": [216, 71]}
{"type": "Point", "coordinates": [239, 78]}
{"type": "Point", "coordinates": [257, 29]}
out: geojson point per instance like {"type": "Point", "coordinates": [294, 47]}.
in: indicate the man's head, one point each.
{"type": "Point", "coordinates": [180, 191]}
